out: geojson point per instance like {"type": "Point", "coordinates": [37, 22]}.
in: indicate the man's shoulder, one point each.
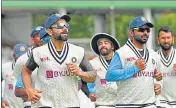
{"type": "Point", "coordinates": [123, 48]}
{"type": "Point", "coordinates": [75, 46]}
{"type": "Point", "coordinates": [40, 49]}
{"type": "Point", "coordinates": [94, 60]}
{"type": "Point", "coordinates": [7, 64]}
{"type": "Point", "coordinates": [22, 59]}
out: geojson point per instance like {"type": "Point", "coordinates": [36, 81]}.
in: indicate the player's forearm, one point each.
{"type": "Point", "coordinates": [84, 88]}
{"type": "Point", "coordinates": [26, 77]}
{"type": "Point", "coordinates": [20, 92]}
{"type": "Point", "coordinates": [88, 76]}
{"type": "Point", "coordinates": [115, 74]}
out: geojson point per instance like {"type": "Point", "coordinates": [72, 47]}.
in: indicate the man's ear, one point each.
{"type": "Point", "coordinates": [14, 56]}
{"type": "Point", "coordinates": [158, 41]}
{"type": "Point", "coordinates": [32, 40]}
{"type": "Point", "coordinates": [49, 31]}
{"type": "Point", "coordinates": [131, 34]}
{"type": "Point", "coordinates": [112, 46]}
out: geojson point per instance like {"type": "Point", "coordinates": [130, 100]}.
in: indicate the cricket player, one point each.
{"type": "Point", "coordinates": [133, 67]}
{"type": "Point", "coordinates": [35, 40]}
{"type": "Point", "coordinates": [19, 88]}
{"type": "Point", "coordinates": [9, 98]}
{"type": "Point", "coordinates": [167, 54]}
{"type": "Point", "coordinates": [103, 45]}
{"type": "Point", "coordinates": [57, 62]}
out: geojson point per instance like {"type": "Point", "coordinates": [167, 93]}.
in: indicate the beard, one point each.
{"type": "Point", "coordinates": [166, 48]}
{"type": "Point", "coordinates": [105, 53]}
{"type": "Point", "coordinates": [61, 37]}
{"type": "Point", "coordinates": [140, 40]}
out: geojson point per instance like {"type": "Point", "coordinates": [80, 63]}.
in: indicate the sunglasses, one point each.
{"type": "Point", "coordinates": [61, 25]}
{"type": "Point", "coordinates": [142, 29]}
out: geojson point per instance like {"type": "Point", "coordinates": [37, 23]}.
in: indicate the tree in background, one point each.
{"type": "Point", "coordinates": [82, 26]}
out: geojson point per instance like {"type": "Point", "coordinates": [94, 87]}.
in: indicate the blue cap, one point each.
{"type": "Point", "coordinates": [42, 33]}
{"type": "Point", "coordinates": [54, 18]}
{"type": "Point", "coordinates": [140, 21]}
{"type": "Point", "coordinates": [20, 49]}
{"type": "Point", "coordinates": [36, 30]}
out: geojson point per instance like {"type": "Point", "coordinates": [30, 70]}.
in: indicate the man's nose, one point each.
{"type": "Point", "coordinates": [166, 40]}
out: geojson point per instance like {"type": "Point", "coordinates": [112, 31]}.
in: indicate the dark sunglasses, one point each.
{"type": "Point", "coordinates": [61, 25]}
{"type": "Point", "coordinates": [142, 29]}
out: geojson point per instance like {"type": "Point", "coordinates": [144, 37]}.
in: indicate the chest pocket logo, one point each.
{"type": "Point", "coordinates": [153, 61]}
{"type": "Point", "coordinates": [73, 59]}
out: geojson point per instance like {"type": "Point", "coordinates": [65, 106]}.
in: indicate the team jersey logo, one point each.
{"type": "Point", "coordinates": [103, 81]}
{"type": "Point", "coordinates": [144, 74]}
{"type": "Point", "coordinates": [22, 48]}
{"type": "Point", "coordinates": [44, 59]}
{"type": "Point", "coordinates": [54, 74]}
{"type": "Point", "coordinates": [8, 76]}
{"type": "Point", "coordinates": [73, 59]}
{"type": "Point", "coordinates": [10, 86]}
{"type": "Point", "coordinates": [144, 19]}
{"type": "Point", "coordinates": [153, 61]}
{"type": "Point", "coordinates": [130, 59]}
{"type": "Point", "coordinates": [49, 74]}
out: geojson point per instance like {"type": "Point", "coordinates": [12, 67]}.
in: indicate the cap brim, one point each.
{"type": "Point", "coordinates": [96, 37]}
{"type": "Point", "coordinates": [66, 17]}
{"type": "Point", "coordinates": [148, 24]}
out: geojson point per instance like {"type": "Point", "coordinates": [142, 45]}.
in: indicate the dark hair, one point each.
{"type": "Point", "coordinates": [165, 29]}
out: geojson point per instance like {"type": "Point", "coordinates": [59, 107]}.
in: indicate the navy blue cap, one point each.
{"type": "Point", "coordinates": [54, 18]}
{"type": "Point", "coordinates": [42, 33]}
{"type": "Point", "coordinates": [36, 30]}
{"type": "Point", "coordinates": [20, 49]}
{"type": "Point", "coordinates": [140, 21]}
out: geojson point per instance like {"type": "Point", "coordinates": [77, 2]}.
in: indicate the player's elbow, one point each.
{"type": "Point", "coordinates": [108, 76]}
{"type": "Point", "coordinates": [17, 91]}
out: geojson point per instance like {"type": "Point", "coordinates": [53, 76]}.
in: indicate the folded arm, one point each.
{"type": "Point", "coordinates": [115, 71]}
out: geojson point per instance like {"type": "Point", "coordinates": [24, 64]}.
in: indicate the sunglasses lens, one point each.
{"type": "Point", "coordinates": [143, 29]}
{"type": "Point", "coordinates": [61, 25]}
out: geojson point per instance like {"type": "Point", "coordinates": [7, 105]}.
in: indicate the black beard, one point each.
{"type": "Point", "coordinates": [106, 53]}
{"type": "Point", "coordinates": [166, 48]}
{"type": "Point", "coordinates": [140, 40]}
{"type": "Point", "coordinates": [61, 37]}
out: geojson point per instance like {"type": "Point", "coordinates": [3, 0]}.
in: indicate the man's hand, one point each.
{"type": "Point", "coordinates": [157, 89]}
{"type": "Point", "coordinates": [157, 75]}
{"type": "Point", "coordinates": [140, 63]}
{"type": "Point", "coordinates": [4, 104]}
{"type": "Point", "coordinates": [24, 98]}
{"type": "Point", "coordinates": [33, 95]}
{"type": "Point", "coordinates": [174, 67]}
{"type": "Point", "coordinates": [92, 97]}
{"type": "Point", "coordinates": [73, 68]}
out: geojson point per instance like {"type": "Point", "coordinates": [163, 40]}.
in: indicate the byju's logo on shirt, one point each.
{"type": "Point", "coordinates": [53, 74]}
